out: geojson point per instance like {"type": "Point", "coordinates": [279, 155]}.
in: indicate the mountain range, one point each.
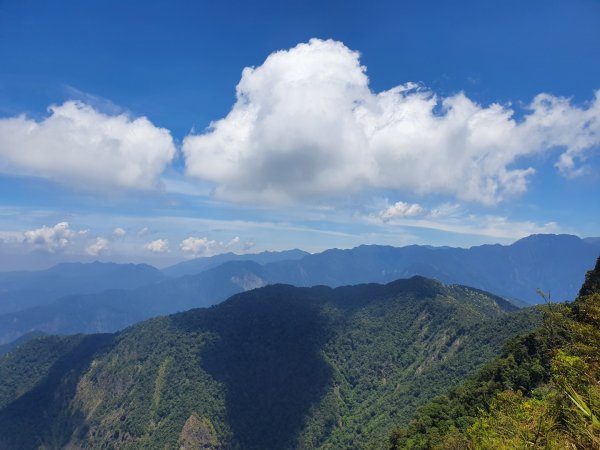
{"type": "Point", "coordinates": [274, 368]}
{"type": "Point", "coordinates": [24, 289]}
{"type": "Point", "coordinates": [197, 265]}
{"type": "Point", "coordinates": [553, 263]}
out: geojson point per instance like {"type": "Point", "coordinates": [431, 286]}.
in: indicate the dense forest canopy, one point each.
{"type": "Point", "coordinates": [274, 368]}
{"type": "Point", "coordinates": [543, 392]}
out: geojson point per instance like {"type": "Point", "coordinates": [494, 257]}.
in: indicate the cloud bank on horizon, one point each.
{"type": "Point", "coordinates": [306, 125]}
{"type": "Point", "coordinates": [63, 239]}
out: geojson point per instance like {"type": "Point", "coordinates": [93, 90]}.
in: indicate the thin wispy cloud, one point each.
{"type": "Point", "coordinates": [453, 218]}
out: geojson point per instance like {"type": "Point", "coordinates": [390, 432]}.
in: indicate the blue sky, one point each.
{"type": "Point", "coordinates": [160, 131]}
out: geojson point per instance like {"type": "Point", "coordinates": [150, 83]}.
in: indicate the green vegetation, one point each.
{"type": "Point", "coordinates": [543, 392]}
{"type": "Point", "coordinates": [274, 368]}
{"type": "Point", "coordinates": [6, 348]}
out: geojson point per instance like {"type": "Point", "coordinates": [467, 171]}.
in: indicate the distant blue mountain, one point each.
{"type": "Point", "coordinates": [23, 289]}
{"type": "Point", "coordinates": [116, 309]}
{"type": "Point", "coordinates": [555, 264]}
{"type": "Point", "coordinates": [593, 240]}
{"type": "Point", "coordinates": [198, 265]}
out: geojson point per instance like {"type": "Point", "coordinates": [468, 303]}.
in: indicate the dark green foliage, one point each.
{"type": "Point", "coordinates": [6, 348]}
{"type": "Point", "coordinates": [542, 392]}
{"type": "Point", "coordinates": [592, 281]}
{"type": "Point", "coordinates": [524, 364]}
{"type": "Point", "coordinates": [274, 368]}
{"type": "Point", "coordinates": [42, 414]}
{"type": "Point", "coordinates": [268, 359]}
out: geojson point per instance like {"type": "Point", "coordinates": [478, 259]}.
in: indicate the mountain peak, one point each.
{"type": "Point", "coordinates": [427, 287]}
{"type": "Point", "coordinates": [548, 238]}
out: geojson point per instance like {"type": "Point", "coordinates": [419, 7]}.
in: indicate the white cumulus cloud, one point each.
{"type": "Point", "coordinates": [99, 246]}
{"type": "Point", "coordinates": [119, 232]}
{"type": "Point", "coordinates": [52, 239]}
{"type": "Point", "coordinates": [195, 247]}
{"type": "Point", "coordinates": [401, 209]}
{"type": "Point", "coordinates": [77, 145]}
{"type": "Point", "coordinates": [158, 246]}
{"type": "Point", "coordinates": [307, 124]}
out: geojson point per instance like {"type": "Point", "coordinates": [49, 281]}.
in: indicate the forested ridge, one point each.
{"type": "Point", "coordinates": [543, 392]}
{"type": "Point", "coordinates": [274, 368]}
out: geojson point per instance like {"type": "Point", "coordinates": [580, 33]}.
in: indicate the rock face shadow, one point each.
{"type": "Point", "coordinates": [268, 356]}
